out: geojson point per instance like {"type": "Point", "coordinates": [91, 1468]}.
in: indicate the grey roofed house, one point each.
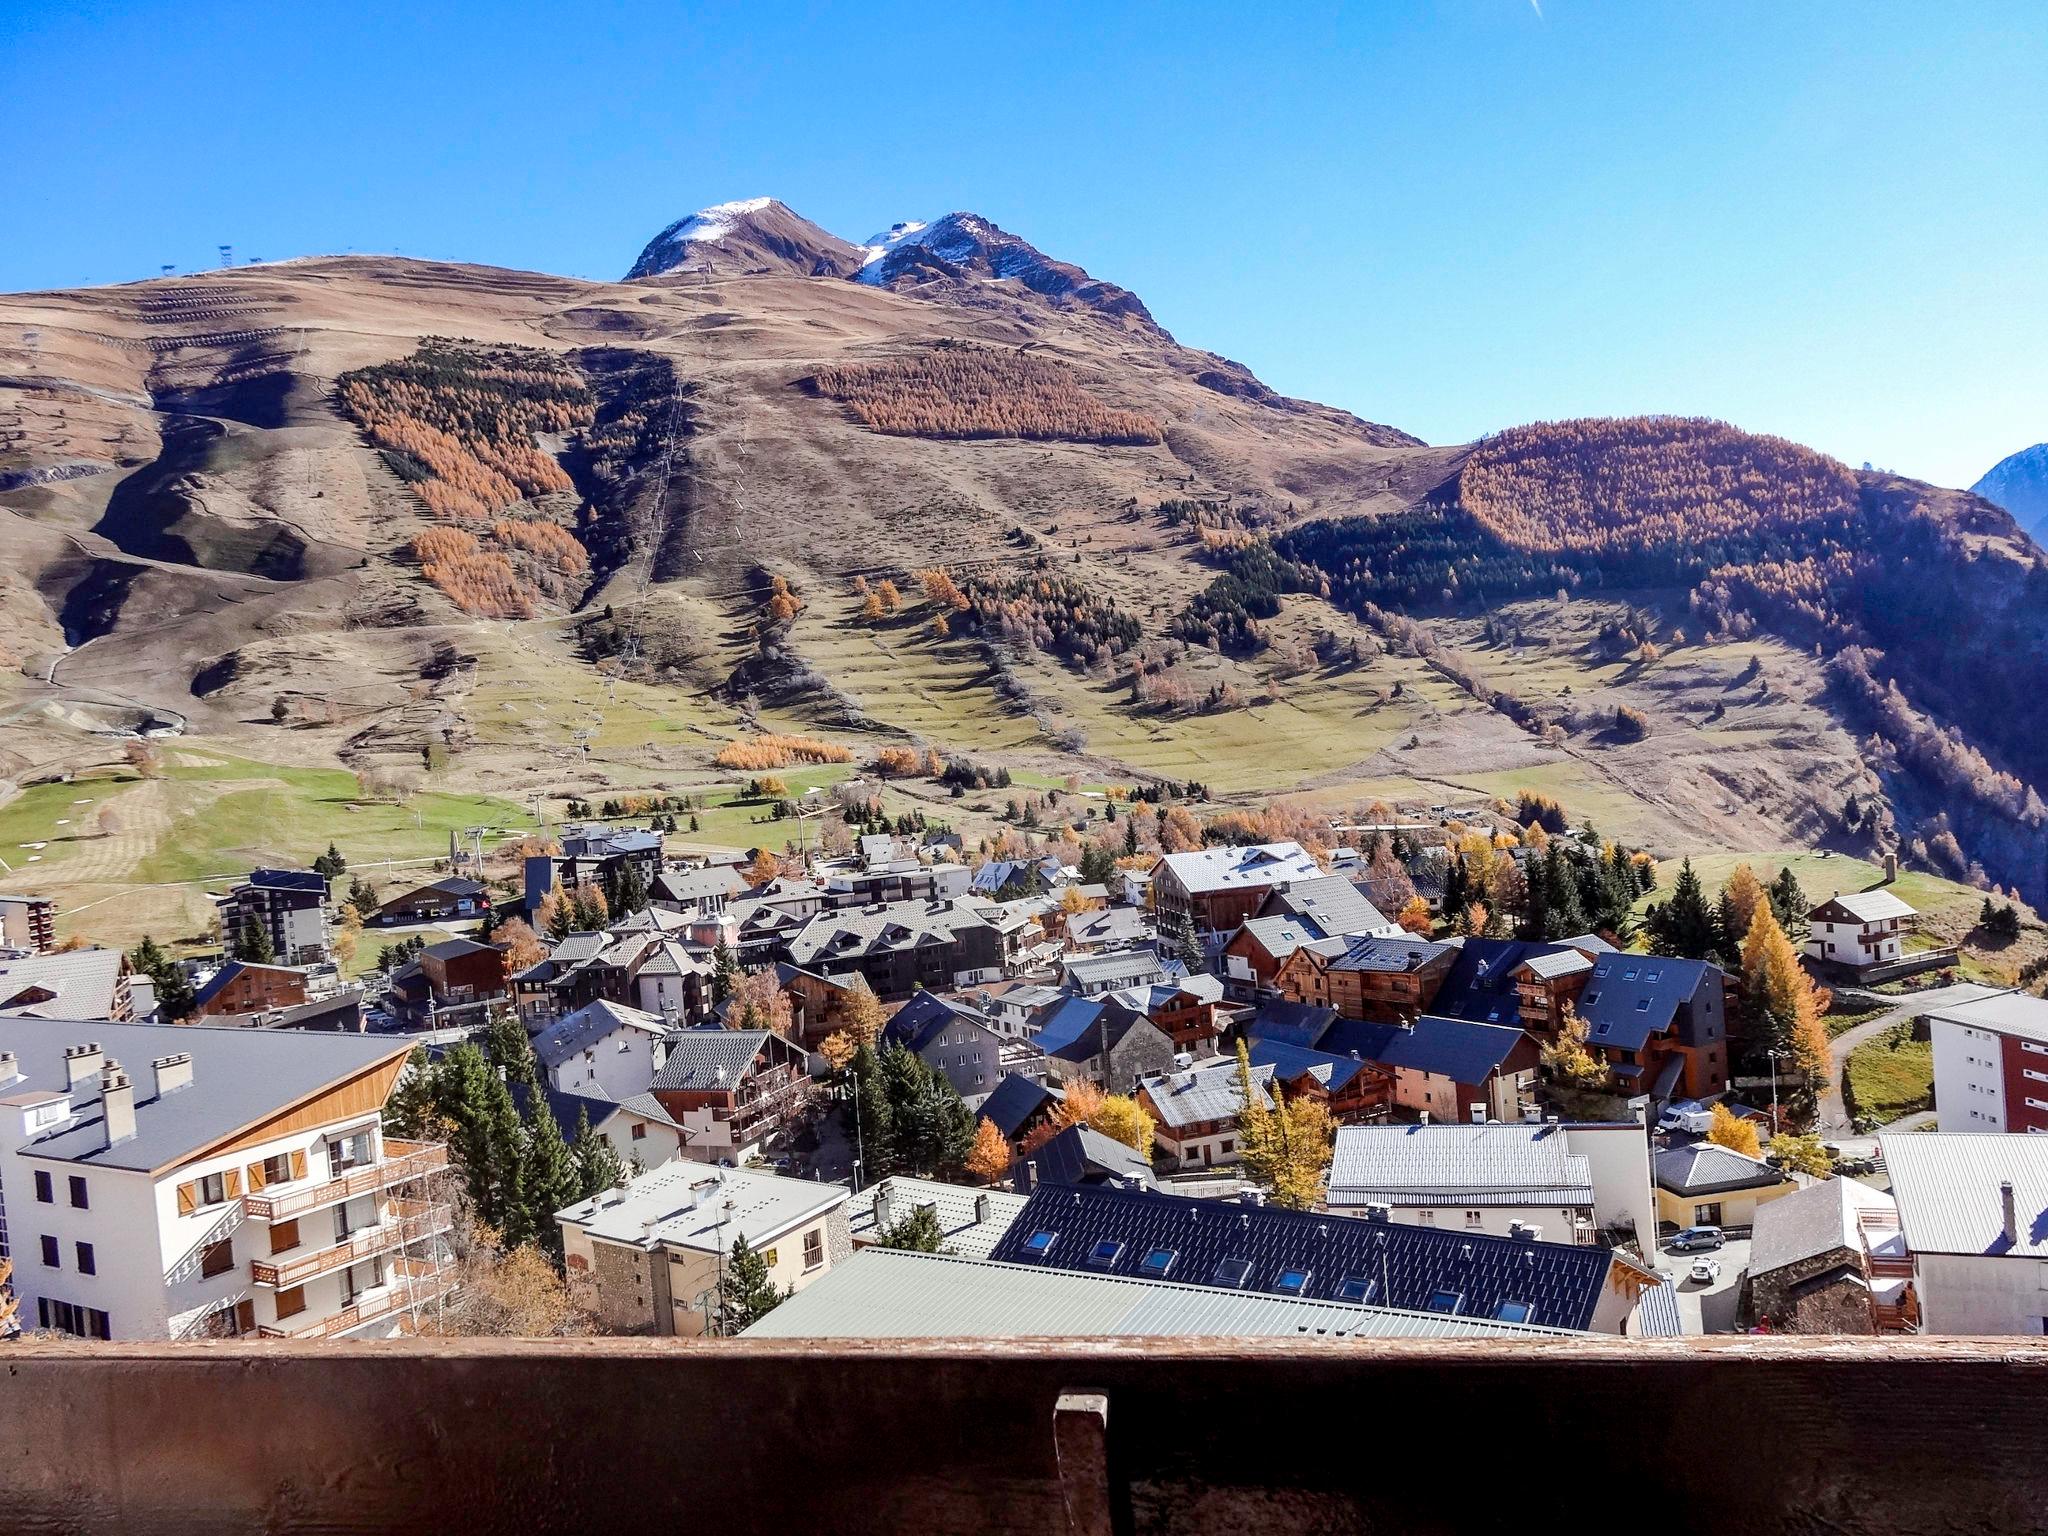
{"type": "Point", "coordinates": [1207, 1092]}
{"type": "Point", "coordinates": [883, 1293]}
{"type": "Point", "coordinates": [1012, 1103]}
{"type": "Point", "coordinates": [240, 1077]}
{"type": "Point", "coordinates": [1331, 904]}
{"type": "Point", "coordinates": [1705, 1167]}
{"type": "Point", "coordinates": [717, 883]}
{"type": "Point", "coordinates": [66, 984]}
{"type": "Point", "coordinates": [1476, 1165]}
{"type": "Point", "coordinates": [1551, 964]}
{"type": "Point", "coordinates": [1082, 1155]}
{"type": "Point", "coordinates": [838, 938]}
{"type": "Point", "coordinates": [1867, 906]}
{"type": "Point", "coordinates": [1290, 1023]}
{"type": "Point", "coordinates": [1394, 956]}
{"type": "Point", "coordinates": [705, 1060]}
{"type": "Point", "coordinates": [569, 1035]}
{"type": "Point", "coordinates": [1202, 987]}
{"type": "Point", "coordinates": [1115, 970]}
{"type": "Point", "coordinates": [1203, 870]}
{"type": "Point", "coordinates": [696, 1206]}
{"type": "Point", "coordinates": [1811, 1222]}
{"type": "Point", "coordinates": [971, 1221]}
{"type": "Point", "coordinates": [1947, 1185]}
{"type": "Point", "coordinates": [1281, 934]}
{"type": "Point", "coordinates": [1110, 927]}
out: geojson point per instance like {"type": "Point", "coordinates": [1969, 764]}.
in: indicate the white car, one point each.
{"type": "Point", "coordinates": [1706, 1270]}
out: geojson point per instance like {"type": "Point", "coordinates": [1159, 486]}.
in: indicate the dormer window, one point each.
{"type": "Point", "coordinates": [1231, 1272]}
{"type": "Point", "coordinates": [1039, 1244]}
{"type": "Point", "coordinates": [1291, 1282]}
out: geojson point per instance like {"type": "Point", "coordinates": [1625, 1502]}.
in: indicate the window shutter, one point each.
{"type": "Point", "coordinates": [256, 1178]}
{"type": "Point", "coordinates": [188, 1198]}
{"type": "Point", "coordinates": [231, 1182]}
{"type": "Point", "coordinates": [245, 1316]}
{"type": "Point", "coordinates": [298, 1165]}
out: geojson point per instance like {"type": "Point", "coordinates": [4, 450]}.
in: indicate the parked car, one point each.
{"type": "Point", "coordinates": [1706, 1271]}
{"type": "Point", "coordinates": [1696, 1237]}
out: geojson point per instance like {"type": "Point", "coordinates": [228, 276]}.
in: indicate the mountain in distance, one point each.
{"type": "Point", "coordinates": [264, 504]}
{"type": "Point", "coordinates": [2019, 483]}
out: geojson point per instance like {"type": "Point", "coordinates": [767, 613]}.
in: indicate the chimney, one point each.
{"type": "Point", "coordinates": [982, 1207]}
{"type": "Point", "coordinates": [2010, 1212]}
{"type": "Point", "coordinates": [882, 1204]}
{"type": "Point", "coordinates": [81, 1062]}
{"type": "Point", "coordinates": [1423, 1118]}
{"type": "Point", "coordinates": [1027, 1176]}
{"type": "Point", "coordinates": [172, 1072]}
{"type": "Point", "coordinates": [10, 1068]}
{"type": "Point", "coordinates": [1478, 1113]}
{"type": "Point", "coordinates": [117, 1104]}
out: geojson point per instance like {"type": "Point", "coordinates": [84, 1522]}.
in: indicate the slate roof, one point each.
{"type": "Point", "coordinates": [1118, 967]}
{"type": "Point", "coordinates": [289, 880]}
{"type": "Point", "coordinates": [1706, 1167]}
{"type": "Point", "coordinates": [1013, 1101]}
{"type": "Point", "coordinates": [1459, 1049]}
{"type": "Point", "coordinates": [1080, 1155]}
{"type": "Point", "coordinates": [843, 936]}
{"type": "Point", "coordinates": [1290, 1062]}
{"type": "Point", "coordinates": [1074, 1031]}
{"type": "Point", "coordinates": [1222, 869]}
{"type": "Point", "coordinates": [1291, 1023]}
{"type": "Point", "coordinates": [1397, 956]}
{"type": "Point", "coordinates": [964, 1232]}
{"type": "Point", "coordinates": [1206, 1092]}
{"type": "Point", "coordinates": [1629, 998]}
{"type": "Point", "coordinates": [1810, 1222]}
{"type": "Point", "coordinates": [81, 984]}
{"type": "Point", "coordinates": [449, 949]}
{"type": "Point", "coordinates": [565, 1107]}
{"type": "Point", "coordinates": [925, 1017]}
{"type": "Point", "coordinates": [1281, 936]}
{"type": "Point", "coordinates": [1204, 988]}
{"type": "Point", "coordinates": [884, 1294]}
{"type": "Point", "coordinates": [1111, 925]}
{"type": "Point", "coordinates": [215, 984]}
{"type": "Point", "coordinates": [447, 885]}
{"type": "Point", "coordinates": [1476, 1165]}
{"type": "Point", "coordinates": [1481, 982]}
{"type": "Point", "coordinates": [572, 1034]}
{"type": "Point", "coordinates": [687, 886]}
{"type": "Point", "coordinates": [1869, 906]}
{"type": "Point", "coordinates": [239, 1077]}
{"type": "Point", "coordinates": [1947, 1187]}
{"type": "Point", "coordinates": [707, 1060]}
{"type": "Point", "coordinates": [1250, 1249]}
{"type": "Point", "coordinates": [1330, 904]}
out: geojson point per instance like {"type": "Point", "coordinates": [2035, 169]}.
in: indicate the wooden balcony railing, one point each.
{"type": "Point", "coordinates": [405, 1221]}
{"type": "Point", "coordinates": [403, 1161]}
{"type": "Point", "coordinates": [412, 1283]}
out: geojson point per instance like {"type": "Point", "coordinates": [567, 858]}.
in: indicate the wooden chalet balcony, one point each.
{"type": "Point", "coordinates": [1910, 1436]}
{"type": "Point", "coordinates": [412, 1283]}
{"type": "Point", "coordinates": [402, 1162]}
{"type": "Point", "coordinates": [405, 1221]}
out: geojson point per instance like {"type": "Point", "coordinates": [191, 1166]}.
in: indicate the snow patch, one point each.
{"type": "Point", "coordinates": [875, 247]}
{"type": "Point", "coordinates": [716, 222]}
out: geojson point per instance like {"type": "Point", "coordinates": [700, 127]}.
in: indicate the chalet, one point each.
{"type": "Point", "coordinates": [1253, 956]}
{"type": "Point", "coordinates": [1079, 1157]}
{"type": "Point", "coordinates": [243, 987]}
{"type": "Point", "coordinates": [1860, 930]}
{"type": "Point", "coordinates": [695, 892]}
{"type": "Point", "coordinates": [1351, 1089]}
{"type": "Point", "coordinates": [1115, 971]}
{"type": "Point", "coordinates": [68, 984]}
{"type": "Point", "coordinates": [1216, 889]}
{"type": "Point", "coordinates": [1829, 1258]}
{"type": "Point", "coordinates": [819, 1006]}
{"type": "Point", "coordinates": [1333, 906]}
{"type": "Point", "coordinates": [1186, 1009]}
{"type": "Point", "coordinates": [289, 905]}
{"type": "Point", "coordinates": [605, 1051]}
{"type": "Point", "coordinates": [1445, 1068]}
{"type": "Point", "coordinates": [1380, 980]}
{"type": "Point", "coordinates": [1106, 928]}
{"type": "Point", "coordinates": [1102, 1041]}
{"type": "Point", "coordinates": [901, 946]}
{"type": "Point", "coordinates": [1015, 1007]}
{"type": "Point", "coordinates": [1196, 1110]}
{"type": "Point", "coordinates": [439, 901]}
{"type": "Point", "coordinates": [952, 1039]}
{"type": "Point", "coordinates": [734, 1092]}
{"type": "Point", "coordinates": [452, 982]}
{"type": "Point", "coordinates": [1661, 1025]}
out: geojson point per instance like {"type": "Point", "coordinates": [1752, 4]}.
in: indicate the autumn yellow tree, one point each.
{"type": "Point", "coordinates": [1122, 1118]}
{"type": "Point", "coordinates": [1284, 1144]}
{"type": "Point", "coordinates": [863, 1020]}
{"type": "Point", "coordinates": [758, 1002]}
{"type": "Point", "coordinates": [1567, 1057]}
{"type": "Point", "coordinates": [1780, 1004]}
{"type": "Point", "coordinates": [1415, 916]}
{"type": "Point", "coordinates": [1730, 1130]}
{"type": "Point", "coordinates": [1743, 893]}
{"type": "Point", "coordinates": [838, 1049]}
{"type": "Point", "coordinates": [766, 867]}
{"type": "Point", "coordinates": [521, 944]}
{"type": "Point", "coordinates": [990, 1159]}
{"type": "Point", "coordinates": [1802, 1154]}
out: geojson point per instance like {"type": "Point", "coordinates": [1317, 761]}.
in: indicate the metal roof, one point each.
{"type": "Point", "coordinates": [964, 1230]}
{"type": "Point", "coordinates": [1947, 1187]}
{"type": "Point", "coordinates": [694, 1205]}
{"type": "Point", "coordinates": [573, 1033]}
{"type": "Point", "coordinates": [1133, 967]}
{"type": "Point", "coordinates": [1869, 906]}
{"type": "Point", "coordinates": [1281, 936]}
{"type": "Point", "coordinates": [1219, 869]}
{"type": "Point", "coordinates": [1257, 1249]}
{"type": "Point", "coordinates": [1081, 1155]}
{"type": "Point", "coordinates": [239, 1077]}
{"type": "Point", "coordinates": [1704, 1167]}
{"type": "Point", "coordinates": [1013, 1101]}
{"type": "Point", "coordinates": [1494, 1164]}
{"type": "Point", "coordinates": [1388, 955]}
{"type": "Point", "coordinates": [706, 1060]}
{"type": "Point", "coordinates": [886, 1294]}
{"type": "Point", "coordinates": [1330, 904]}
{"type": "Point", "coordinates": [81, 984]}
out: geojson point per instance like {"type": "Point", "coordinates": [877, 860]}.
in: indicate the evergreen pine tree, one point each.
{"type": "Point", "coordinates": [1130, 836]}
{"type": "Point", "coordinates": [1684, 926]}
{"type": "Point", "coordinates": [509, 1050]}
{"type": "Point", "coordinates": [174, 996]}
{"type": "Point", "coordinates": [725, 974]}
{"type": "Point", "coordinates": [1789, 905]}
{"type": "Point", "coordinates": [252, 944]}
{"type": "Point", "coordinates": [597, 1160]}
{"type": "Point", "coordinates": [363, 897]}
{"type": "Point", "coordinates": [1728, 921]}
{"type": "Point", "coordinates": [875, 1129]}
{"type": "Point", "coordinates": [746, 1294]}
{"type": "Point", "coordinates": [550, 1177]}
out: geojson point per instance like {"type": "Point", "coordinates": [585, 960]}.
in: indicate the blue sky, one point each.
{"type": "Point", "coordinates": [1821, 220]}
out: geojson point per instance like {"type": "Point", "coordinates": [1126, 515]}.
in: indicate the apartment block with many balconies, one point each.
{"type": "Point", "coordinates": [159, 1183]}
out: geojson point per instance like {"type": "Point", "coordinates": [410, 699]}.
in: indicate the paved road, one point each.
{"type": "Point", "coordinates": [1709, 1308]}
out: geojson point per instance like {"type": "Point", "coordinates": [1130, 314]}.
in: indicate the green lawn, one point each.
{"type": "Point", "coordinates": [1890, 1076]}
{"type": "Point", "coordinates": [1841, 1023]}
{"type": "Point", "coordinates": [1821, 875]}
{"type": "Point", "coordinates": [51, 814]}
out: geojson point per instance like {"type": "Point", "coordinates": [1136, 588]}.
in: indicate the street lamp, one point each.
{"type": "Point", "coordinates": [1775, 1056]}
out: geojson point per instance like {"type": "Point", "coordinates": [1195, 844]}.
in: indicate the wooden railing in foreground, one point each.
{"type": "Point", "coordinates": [1766, 1437]}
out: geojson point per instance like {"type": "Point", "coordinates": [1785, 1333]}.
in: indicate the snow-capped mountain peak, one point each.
{"type": "Point", "coordinates": [754, 235]}
{"type": "Point", "coordinates": [717, 221]}
{"type": "Point", "coordinates": [875, 247]}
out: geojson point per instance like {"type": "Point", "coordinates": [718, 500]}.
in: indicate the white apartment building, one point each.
{"type": "Point", "coordinates": [182, 1183]}
{"type": "Point", "coordinates": [657, 1248]}
{"type": "Point", "coordinates": [1973, 1211]}
{"type": "Point", "coordinates": [1991, 1062]}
